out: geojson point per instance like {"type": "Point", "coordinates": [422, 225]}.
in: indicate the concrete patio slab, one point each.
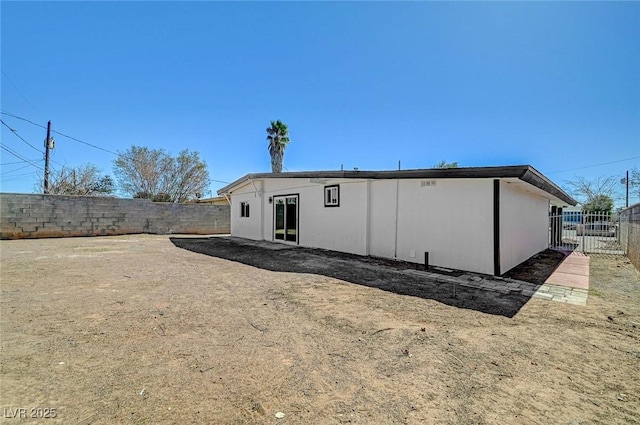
{"type": "Point", "coordinates": [573, 272]}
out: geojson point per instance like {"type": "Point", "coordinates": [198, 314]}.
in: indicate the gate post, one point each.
{"type": "Point", "coordinates": [554, 226]}
{"type": "Point", "coordinates": [559, 226]}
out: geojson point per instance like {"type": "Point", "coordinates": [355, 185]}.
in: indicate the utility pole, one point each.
{"type": "Point", "coordinates": [627, 181]}
{"type": "Point", "coordinates": [48, 145]}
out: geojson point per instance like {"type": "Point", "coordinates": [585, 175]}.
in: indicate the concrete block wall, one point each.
{"type": "Point", "coordinates": [630, 229]}
{"type": "Point", "coordinates": [50, 216]}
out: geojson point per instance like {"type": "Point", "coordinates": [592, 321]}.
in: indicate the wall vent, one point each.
{"type": "Point", "coordinates": [427, 183]}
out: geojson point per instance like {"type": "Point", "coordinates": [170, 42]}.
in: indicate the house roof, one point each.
{"type": "Point", "coordinates": [525, 173]}
{"type": "Point", "coordinates": [216, 200]}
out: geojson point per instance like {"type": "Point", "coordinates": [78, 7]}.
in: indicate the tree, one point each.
{"type": "Point", "coordinates": [154, 174]}
{"type": "Point", "coordinates": [445, 164]}
{"type": "Point", "coordinates": [594, 195]}
{"type": "Point", "coordinates": [587, 192]}
{"type": "Point", "coordinates": [159, 197]}
{"type": "Point", "coordinates": [278, 137]}
{"type": "Point", "coordinates": [188, 178]}
{"type": "Point", "coordinates": [599, 204]}
{"type": "Point", "coordinates": [82, 180]}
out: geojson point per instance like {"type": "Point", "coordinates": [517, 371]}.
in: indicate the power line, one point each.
{"type": "Point", "coordinates": [20, 137]}
{"type": "Point", "coordinates": [20, 162]}
{"type": "Point", "coordinates": [86, 143]}
{"type": "Point", "coordinates": [15, 169]}
{"type": "Point", "coordinates": [219, 181]}
{"type": "Point", "coordinates": [19, 92]}
{"type": "Point", "coordinates": [16, 177]}
{"type": "Point", "coordinates": [17, 155]}
{"type": "Point", "coordinates": [53, 153]}
{"type": "Point", "coordinates": [23, 119]}
{"type": "Point", "coordinates": [61, 134]}
{"type": "Point", "coordinates": [595, 165]}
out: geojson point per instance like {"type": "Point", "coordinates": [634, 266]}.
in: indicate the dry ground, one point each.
{"type": "Point", "coordinates": [152, 330]}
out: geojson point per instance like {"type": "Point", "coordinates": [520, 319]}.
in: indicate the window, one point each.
{"type": "Point", "coordinates": [244, 209]}
{"type": "Point", "coordinates": [332, 196]}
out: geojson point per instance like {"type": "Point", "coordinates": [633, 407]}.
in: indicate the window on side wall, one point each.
{"type": "Point", "coordinates": [244, 209]}
{"type": "Point", "coordinates": [332, 196]}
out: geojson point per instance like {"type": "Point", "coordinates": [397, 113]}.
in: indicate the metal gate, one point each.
{"type": "Point", "coordinates": [587, 232]}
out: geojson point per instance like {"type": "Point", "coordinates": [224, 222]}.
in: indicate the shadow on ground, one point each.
{"type": "Point", "coordinates": [383, 274]}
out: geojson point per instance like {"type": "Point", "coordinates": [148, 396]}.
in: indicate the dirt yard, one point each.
{"type": "Point", "coordinates": [158, 330]}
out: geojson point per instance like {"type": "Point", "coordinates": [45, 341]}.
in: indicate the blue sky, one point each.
{"type": "Point", "coordinates": [551, 84]}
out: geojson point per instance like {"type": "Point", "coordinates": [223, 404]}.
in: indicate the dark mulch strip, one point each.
{"type": "Point", "coordinates": [367, 271]}
{"type": "Point", "coordinates": [538, 268]}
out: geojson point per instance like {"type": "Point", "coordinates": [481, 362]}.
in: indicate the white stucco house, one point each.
{"type": "Point", "coordinates": [480, 219]}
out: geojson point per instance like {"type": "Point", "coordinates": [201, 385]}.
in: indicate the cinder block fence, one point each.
{"type": "Point", "coordinates": [51, 216]}
{"type": "Point", "coordinates": [630, 233]}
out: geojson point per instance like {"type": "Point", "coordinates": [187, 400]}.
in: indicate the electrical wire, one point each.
{"type": "Point", "coordinates": [19, 92]}
{"type": "Point", "coordinates": [23, 119]}
{"type": "Point", "coordinates": [20, 137]}
{"type": "Point", "coordinates": [57, 132]}
{"type": "Point", "coordinates": [595, 165]}
{"type": "Point", "coordinates": [20, 162]}
{"type": "Point", "coordinates": [53, 155]}
{"type": "Point", "coordinates": [16, 177]}
{"type": "Point", "coordinates": [86, 143]}
{"type": "Point", "coordinates": [15, 169]}
{"type": "Point", "coordinates": [17, 155]}
{"type": "Point", "coordinates": [115, 153]}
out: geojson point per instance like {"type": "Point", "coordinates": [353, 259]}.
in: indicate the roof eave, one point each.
{"type": "Point", "coordinates": [537, 179]}
{"type": "Point", "coordinates": [526, 173]}
{"type": "Point", "coordinates": [461, 172]}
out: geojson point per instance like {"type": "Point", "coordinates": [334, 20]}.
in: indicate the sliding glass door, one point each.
{"type": "Point", "coordinates": [286, 218]}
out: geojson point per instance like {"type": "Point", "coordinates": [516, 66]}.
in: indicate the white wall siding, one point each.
{"type": "Point", "coordinates": [382, 218]}
{"type": "Point", "coordinates": [341, 228]}
{"type": "Point", "coordinates": [279, 187]}
{"type": "Point", "coordinates": [524, 225]}
{"type": "Point", "coordinates": [451, 219]}
{"type": "Point", "coordinates": [247, 227]}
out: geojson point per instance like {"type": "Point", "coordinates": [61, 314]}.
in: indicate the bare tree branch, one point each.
{"type": "Point", "coordinates": [156, 175]}
{"type": "Point", "coordinates": [83, 180]}
{"type": "Point", "coordinates": [587, 190]}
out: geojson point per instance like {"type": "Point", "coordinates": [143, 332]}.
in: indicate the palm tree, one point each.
{"type": "Point", "coordinates": [278, 137]}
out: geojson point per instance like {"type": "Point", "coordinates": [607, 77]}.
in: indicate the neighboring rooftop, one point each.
{"type": "Point", "coordinates": [525, 173]}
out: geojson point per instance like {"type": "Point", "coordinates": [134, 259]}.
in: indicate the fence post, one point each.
{"type": "Point", "coordinates": [584, 227]}
{"type": "Point", "coordinates": [559, 226]}
{"type": "Point", "coordinates": [554, 225]}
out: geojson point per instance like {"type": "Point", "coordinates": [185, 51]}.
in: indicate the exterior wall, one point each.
{"type": "Point", "coordinates": [280, 187]}
{"type": "Point", "coordinates": [451, 220]}
{"type": "Point", "coordinates": [43, 216]}
{"type": "Point", "coordinates": [382, 218]}
{"type": "Point", "coordinates": [524, 225]}
{"type": "Point", "coordinates": [247, 227]}
{"type": "Point", "coordinates": [342, 228]}
{"type": "Point", "coordinates": [630, 233]}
